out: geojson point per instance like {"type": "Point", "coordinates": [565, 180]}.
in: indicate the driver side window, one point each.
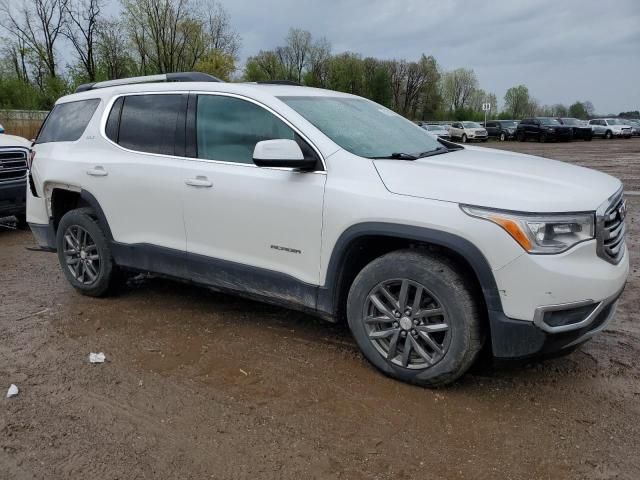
{"type": "Point", "coordinates": [228, 128]}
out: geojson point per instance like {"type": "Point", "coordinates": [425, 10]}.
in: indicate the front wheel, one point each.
{"type": "Point", "coordinates": [542, 138]}
{"type": "Point", "coordinates": [608, 135]}
{"type": "Point", "coordinates": [84, 253]}
{"type": "Point", "coordinates": [520, 136]}
{"type": "Point", "coordinates": [414, 317]}
{"type": "Point", "coordinates": [464, 138]}
{"type": "Point", "coordinates": [503, 137]}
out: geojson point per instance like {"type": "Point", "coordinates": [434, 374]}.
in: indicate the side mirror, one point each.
{"type": "Point", "coordinates": [281, 153]}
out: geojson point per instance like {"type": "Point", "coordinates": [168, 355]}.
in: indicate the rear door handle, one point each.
{"type": "Point", "coordinates": [199, 181]}
{"type": "Point", "coordinates": [97, 171]}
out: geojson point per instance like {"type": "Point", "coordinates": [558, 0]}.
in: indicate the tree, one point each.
{"type": "Point", "coordinates": [346, 73]}
{"type": "Point", "coordinates": [264, 66]}
{"type": "Point", "coordinates": [517, 102]}
{"type": "Point", "coordinates": [318, 64]}
{"type": "Point", "coordinates": [113, 57]}
{"type": "Point", "coordinates": [82, 31]}
{"type": "Point", "coordinates": [38, 24]}
{"type": "Point", "coordinates": [458, 87]}
{"type": "Point", "coordinates": [221, 36]}
{"type": "Point", "coordinates": [578, 110]}
{"type": "Point", "coordinates": [218, 64]}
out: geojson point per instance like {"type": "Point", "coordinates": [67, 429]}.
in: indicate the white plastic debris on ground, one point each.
{"type": "Point", "coordinates": [96, 357]}
{"type": "Point", "coordinates": [13, 391]}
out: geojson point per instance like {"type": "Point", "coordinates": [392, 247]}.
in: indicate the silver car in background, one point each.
{"type": "Point", "coordinates": [439, 131]}
{"type": "Point", "coordinates": [610, 128]}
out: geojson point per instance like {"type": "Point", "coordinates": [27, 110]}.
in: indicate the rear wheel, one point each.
{"type": "Point", "coordinates": [414, 318]}
{"type": "Point", "coordinates": [84, 253]}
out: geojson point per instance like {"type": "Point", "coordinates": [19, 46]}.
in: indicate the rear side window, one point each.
{"type": "Point", "coordinates": [67, 121]}
{"type": "Point", "coordinates": [148, 123]}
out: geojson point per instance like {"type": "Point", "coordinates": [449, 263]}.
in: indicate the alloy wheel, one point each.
{"type": "Point", "coordinates": [81, 255]}
{"type": "Point", "coordinates": [407, 324]}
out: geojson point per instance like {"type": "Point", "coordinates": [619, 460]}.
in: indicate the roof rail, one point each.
{"type": "Point", "coordinates": [163, 77]}
{"type": "Point", "coordinates": [279, 82]}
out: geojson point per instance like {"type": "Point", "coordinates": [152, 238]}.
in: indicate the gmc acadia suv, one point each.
{"type": "Point", "coordinates": [335, 205]}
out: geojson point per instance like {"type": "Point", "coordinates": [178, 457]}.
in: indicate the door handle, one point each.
{"type": "Point", "coordinates": [97, 171]}
{"type": "Point", "coordinates": [199, 181]}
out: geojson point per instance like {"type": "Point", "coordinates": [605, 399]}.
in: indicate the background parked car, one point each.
{"type": "Point", "coordinates": [439, 131]}
{"type": "Point", "coordinates": [581, 130]}
{"type": "Point", "coordinates": [610, 127]}
{"type": "Point", "coordinates": [635, 126]}
{"type": "Point", "coordinates": [1, 128]}
{"type": "Point", "coordinates": [543, 129]}
{"type": "Point", "coordinates": [501, 129]}
{"type": "Point", "coordinates": [13, 177]}
{"type": "Point", "coordinates": [468, 132]}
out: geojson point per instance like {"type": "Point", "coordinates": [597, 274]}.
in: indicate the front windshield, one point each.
{"type": "Point", "coordinates": [471, 125]}
{"type": "Point", "coordinates": [508, 124]}
{"type": "Point", "coordinates": [434, 127]}
{"type": "Point", "coordinates": [363, 127]}
{"type": "Point", "coordinates": [570, 121]}
{"type": "Point", "coordinates": [549, 121]}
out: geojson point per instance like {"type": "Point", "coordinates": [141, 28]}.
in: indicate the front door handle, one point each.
{"type": "Point", "coordinates": [199, 181]}
{"type": "Point", "coordinates": [97, 171]}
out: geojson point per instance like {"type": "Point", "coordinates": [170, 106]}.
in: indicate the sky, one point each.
{"type": "Point", "coordinates": [563, 50]}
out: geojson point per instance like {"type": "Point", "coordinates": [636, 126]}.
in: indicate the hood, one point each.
{"type": "Point", "coordinates": [13, 141]}
{"type": "Point", "coordinates": [498, 179]}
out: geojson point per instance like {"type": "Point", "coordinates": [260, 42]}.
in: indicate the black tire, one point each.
{"type": "Point", "coordinates": [106, 272]}
{"type": "Point", "coordinates": [608, 135]}
{"type": "Point", "coordinates": [21, 221]}
{"type": "Point", "coordinates": [542, 138]}
{"type": "Point", "coordinates": [447, 288]}
{"type": "Point", "coordinates": [464, 138]}
{"type": "Point", "coordinates": [520, 137]}
{"type": "Point", "coordinates": [484, 140]}
{"type": "Point", "coordinates": [503, 137]}
{"type": "Point", "coordinates": [589, 138]}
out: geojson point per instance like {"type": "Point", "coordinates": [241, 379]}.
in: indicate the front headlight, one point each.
{"type": "Point", "coordinates": [540, 233]}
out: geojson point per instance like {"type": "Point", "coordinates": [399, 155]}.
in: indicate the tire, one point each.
{"type": "Point", "coordinates": [78, 228]}
{"type": "Point", "coordinates": [588, 139]}
{"type": "Point", "coordinates": [542, 138]}
{"type": "Point", "coordinates": [464, 138]}
{"type": "Point", "coordinates": [484, 140]}
{"type": "Point", "coordinates": [445, 293]}
{"type": "Point", "coordinates": [608, 135]}
{"type": "Point", "coordinates": [520, 137]}
{"type": "Point", "coordinates": [503, 137]}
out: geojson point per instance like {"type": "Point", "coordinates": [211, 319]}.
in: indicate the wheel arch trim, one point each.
{"type": "Point", "coordinates": [328, 294]}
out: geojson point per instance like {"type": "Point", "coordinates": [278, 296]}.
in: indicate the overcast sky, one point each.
{"type": "Point", "coordinates": [563, 50]}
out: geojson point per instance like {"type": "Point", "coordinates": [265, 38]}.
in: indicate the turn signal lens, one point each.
{"type": "Point", "coordinates": [514, 230]}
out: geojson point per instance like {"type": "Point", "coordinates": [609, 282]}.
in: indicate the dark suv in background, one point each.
{"type": "Point", "coordinates": [581, 130]}
{"type": "Point", "coordinates": [502, 129]}
{"type": "Point", "coordinates": [543, 129]}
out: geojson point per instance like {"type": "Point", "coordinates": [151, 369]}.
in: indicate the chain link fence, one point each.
{"type": "Point", "coordinates": [23, 123]}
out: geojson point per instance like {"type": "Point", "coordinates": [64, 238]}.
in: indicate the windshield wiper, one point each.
{"type": "Point", "coordinates": [397, 156]}
{"type": "Point", "coordinates": [431, 153]}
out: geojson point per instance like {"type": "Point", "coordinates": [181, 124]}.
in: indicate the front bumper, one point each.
{"type": "Point", "coordinates": [13, 197]}
{"type": "Point", "coordinates": [516, 339]}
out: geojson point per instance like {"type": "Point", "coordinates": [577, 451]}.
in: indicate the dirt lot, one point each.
{"type": "Point", "coordinates": [203, 385]}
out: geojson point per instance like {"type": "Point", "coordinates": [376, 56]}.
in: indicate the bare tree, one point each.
{"type": "Point", "coordinates": [39, 24]}
{"type": "Point", "coordinates": [297, 50]}
{"type": "Point", "coordinates": [112, 53]}
{"type": "Point", "coordinates": [458, 87]}
{"type": "Point", "coordinates": [17, 54]}
{"type": "Point", "coordinates": [221, 36]}
{"type": "Point", "coordinates": [82, 31]}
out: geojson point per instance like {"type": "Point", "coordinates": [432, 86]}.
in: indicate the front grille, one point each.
{"type": "Point", "coordinates": [13, 164]}
{"type": "Point", "coordinates": [610, 228]}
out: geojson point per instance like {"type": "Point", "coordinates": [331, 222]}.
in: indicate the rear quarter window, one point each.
{"type": "Point", "coordinates": [68, 121]}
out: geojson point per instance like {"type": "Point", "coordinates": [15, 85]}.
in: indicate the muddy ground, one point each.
{"type": "Point", "coordinates": [204, 385]}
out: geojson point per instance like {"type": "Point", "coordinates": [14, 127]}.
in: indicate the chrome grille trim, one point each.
{"type": "Point", "coordinates": [610, 228]}
{"type": "Point", "coordinates": [13, 164]}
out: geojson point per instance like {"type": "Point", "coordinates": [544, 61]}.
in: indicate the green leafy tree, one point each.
{"type": "Point", "coordinates": [578, 110]}
{"type": "Point", "coordinates": [517, 102]}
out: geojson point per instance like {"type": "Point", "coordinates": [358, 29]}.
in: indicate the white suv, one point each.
{"type": "Point", "coordinates": [468, 132]}
{"type": "Point", "coordinates": [333, 204]}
